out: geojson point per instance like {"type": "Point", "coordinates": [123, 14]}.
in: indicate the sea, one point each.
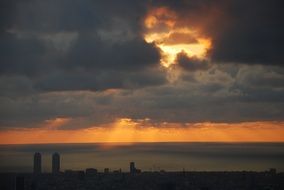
{"type": "Point", "coordinates": [147, 156]}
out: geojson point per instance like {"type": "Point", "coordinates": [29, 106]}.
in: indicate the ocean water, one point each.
{"type": "Point", "coordinates": [148, 156]}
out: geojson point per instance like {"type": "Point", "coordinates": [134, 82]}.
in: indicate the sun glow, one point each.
{"type": "Point", "coordinates": [162, 30]}
{"type": "Point", "coordinates": [126, 130]}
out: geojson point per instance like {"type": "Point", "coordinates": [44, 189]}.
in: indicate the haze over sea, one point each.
{"type": "Point", "coordinates": [147, 156]}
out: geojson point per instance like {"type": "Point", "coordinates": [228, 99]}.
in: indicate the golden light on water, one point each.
{"type": "Point", "coordinates": [161, 28]}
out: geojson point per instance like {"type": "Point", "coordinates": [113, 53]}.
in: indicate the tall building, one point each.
{"type": "Point", "coordinates": [55, 163]}
{"type": "Point", "coordinates": [37, 163]}
{"type": "Point", "coordinates": [132, 167]}
{"type": "Point", "coordinates": [106, 170]}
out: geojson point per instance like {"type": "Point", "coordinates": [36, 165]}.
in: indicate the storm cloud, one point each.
{"type": "Point", "coordinates": [88, 61]}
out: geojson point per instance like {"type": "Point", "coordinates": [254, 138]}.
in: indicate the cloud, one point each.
{"type": "Point", "coordinates": [191, 63]}
{"type": "Point", "coordinates": [20, 55]}
{"type": "Point", "coordinates": [77, 46]}
{"type": "Point", "coordinates": [252, 33]}
{"type": "Point", "coordinates": [88, 61]}
{"type": "Point", "coordinates": [214, 95]}
{"type": "Point", "coordinates": [100, 80]}
{"type": "Point", "coordinates": [93, 53]}
{"type": "Point", "coordinates": [241, 31]}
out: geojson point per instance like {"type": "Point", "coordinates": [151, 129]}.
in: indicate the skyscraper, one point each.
{"type": "Point", "coordinates": [37, 163]}
{"type": "Point", "coordinates": [55, 163]}
{"type": "Point", "coordinates": [132, 167]}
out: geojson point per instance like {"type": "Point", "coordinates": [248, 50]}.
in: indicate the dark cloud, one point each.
{"type": "Point", "coordinates": [191, 63]}
{"type": "Point", "coordinates": [100, 80]}
{"type": "Point", "coordinates": [249, 32]}
{"type": "Point", "coordinates": [89, 45]}
{"type": "Point", "coordinates": [65, 15]}
{"type": "Point", "coordinates": [7, 10]}
{"type": "Point", "coordinates": [19, 55]}
{"type": "Point", "coordinates": [214, 95]}
{"type": "Point", "coordinates": [94, 53]}
{"type": "Point", "coordinates": [252, 33]}
{"type": "Point", "coordinates": [87, 60]}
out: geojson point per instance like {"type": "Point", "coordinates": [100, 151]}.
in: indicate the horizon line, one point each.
{"type": "Point", "coordinates": [148, 142]}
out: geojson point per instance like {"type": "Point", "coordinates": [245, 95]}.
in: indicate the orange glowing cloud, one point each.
{"type": "Point", "coordinates": [161, 28]}
{"type": "Point", "coordinates": [55, 123]}
{"type": "Point", "coordinates": [130, 131]}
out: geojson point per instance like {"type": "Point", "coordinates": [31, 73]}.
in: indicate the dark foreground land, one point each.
{"type": "Point", "coordinates": [144, 181]}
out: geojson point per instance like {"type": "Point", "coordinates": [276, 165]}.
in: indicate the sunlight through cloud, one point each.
{"type": "Point", "coordinates": [161, 29]}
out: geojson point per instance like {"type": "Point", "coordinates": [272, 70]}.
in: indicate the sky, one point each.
{"type": "Point", "coordinates": [141, 71]}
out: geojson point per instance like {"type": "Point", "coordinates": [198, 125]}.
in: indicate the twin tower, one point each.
{"type": "Point", "coordinates": [55, 163]}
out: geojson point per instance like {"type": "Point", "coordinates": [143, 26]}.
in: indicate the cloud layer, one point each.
{"type": "Point", "coordinates": [88, 61]}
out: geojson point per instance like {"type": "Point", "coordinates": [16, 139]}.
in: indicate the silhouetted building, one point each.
{"type": "Point", "coordinates": [133, 169]}
{"type": "Point", "coordinates": [55, 163]}
{"type": "Point", "coordinates": [37, 163]}
{"type": "Point", "coordinates": [117, 171]}
{"type": "Point", "coordinates": [106, 170]}
{"type": "Point", "coordinates": [272, 171]}
{"type": "Point", "coordinates": [91, 171]}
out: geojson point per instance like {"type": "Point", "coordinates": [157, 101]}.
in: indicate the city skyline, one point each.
{"type": "Point", "coordinates": [55, 166]}
{"type": "Point", "coordinates": [90, 166]}
{"type": "Point", "coordinates": [148, 156]}
{"type": "Point", "coordinates": [91, 171]}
